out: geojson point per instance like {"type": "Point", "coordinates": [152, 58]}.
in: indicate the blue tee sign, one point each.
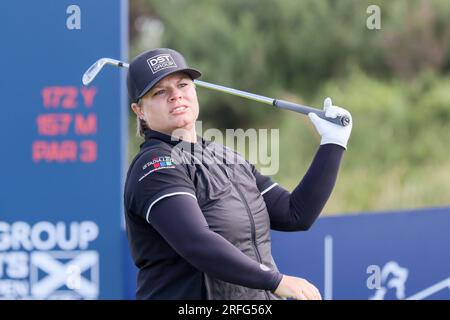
{"type": "Point", "coordinates": [63, 150]}
{"type": "Point", "coordinates": [398, 255]}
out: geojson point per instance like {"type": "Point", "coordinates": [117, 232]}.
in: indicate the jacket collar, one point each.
{"type": "Point", "coordinates": [150, 135]}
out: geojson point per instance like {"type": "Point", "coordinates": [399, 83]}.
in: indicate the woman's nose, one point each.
{"type": "Point", "coordinates": [175, 94]}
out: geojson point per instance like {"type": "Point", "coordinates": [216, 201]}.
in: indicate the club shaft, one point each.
{"type": "Point", "coordinates": [235, 92]}
{"type": "Point", "coordinates": [343, 121]}
{"type": "Point", "coordinates": [122, 64]}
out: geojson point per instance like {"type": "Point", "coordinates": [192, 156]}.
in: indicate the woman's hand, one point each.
{"type": "Point", "coordinates": [330, 132]}
{"type": "Point", "coordinates": [297, 288]}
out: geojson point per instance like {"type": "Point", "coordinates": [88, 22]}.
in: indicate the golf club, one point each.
{"type": "Point", "coordinates": [343, 120]}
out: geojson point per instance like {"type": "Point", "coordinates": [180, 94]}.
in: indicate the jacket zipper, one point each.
{"type": "Point", "coordinates": [252, 224]}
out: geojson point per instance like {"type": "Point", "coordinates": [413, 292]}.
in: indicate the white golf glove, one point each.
{"type": "Point", "coordinates": [330, 132]}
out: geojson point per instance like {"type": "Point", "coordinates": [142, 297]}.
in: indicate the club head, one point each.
{"type": "Point", "coordinates": [93, 70]}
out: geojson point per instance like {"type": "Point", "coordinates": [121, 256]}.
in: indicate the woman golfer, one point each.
{"type": "Point", "coordinates": [198, 215]}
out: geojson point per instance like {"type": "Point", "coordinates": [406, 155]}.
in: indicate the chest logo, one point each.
{"type": "Point", "coordinates": [157, 163]}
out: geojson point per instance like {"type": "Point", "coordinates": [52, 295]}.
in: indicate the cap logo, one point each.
{"type": "Point", "coordinates": [161, 62]}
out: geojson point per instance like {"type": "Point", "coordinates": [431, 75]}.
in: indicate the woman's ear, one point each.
{"type": "Point", "coordinates": [137, 110]}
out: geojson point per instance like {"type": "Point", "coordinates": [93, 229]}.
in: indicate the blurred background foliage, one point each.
{"type": "Point", "coordinates": [395, 81]}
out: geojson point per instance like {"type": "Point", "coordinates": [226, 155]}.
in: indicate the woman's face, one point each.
{"type": "Point", "coordinates": [171, 104]}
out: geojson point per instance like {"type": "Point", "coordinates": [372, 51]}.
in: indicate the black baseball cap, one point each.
{"type": "Point", "coordinates": [151, 66]}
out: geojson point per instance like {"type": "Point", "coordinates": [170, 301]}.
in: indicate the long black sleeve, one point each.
{"type": "Point", "coordinates": [298, 210]}
{"type": "Point", "coordinates": [180, 221]}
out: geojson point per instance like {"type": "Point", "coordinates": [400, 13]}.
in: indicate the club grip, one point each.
{"type": "Point", "coordinates": [340, 120]}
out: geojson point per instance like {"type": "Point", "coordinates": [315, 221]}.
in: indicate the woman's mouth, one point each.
{"type": "Point", "coordinates": [178, 110]}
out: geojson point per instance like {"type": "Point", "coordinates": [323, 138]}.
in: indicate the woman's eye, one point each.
{"type": "Point", "coordinates": [183, 84]}
{"type": "Point", "coordinates": [159, 92]}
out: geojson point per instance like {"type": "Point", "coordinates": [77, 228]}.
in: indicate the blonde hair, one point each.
{"type": "Point", "coordinates": [141, 125]}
